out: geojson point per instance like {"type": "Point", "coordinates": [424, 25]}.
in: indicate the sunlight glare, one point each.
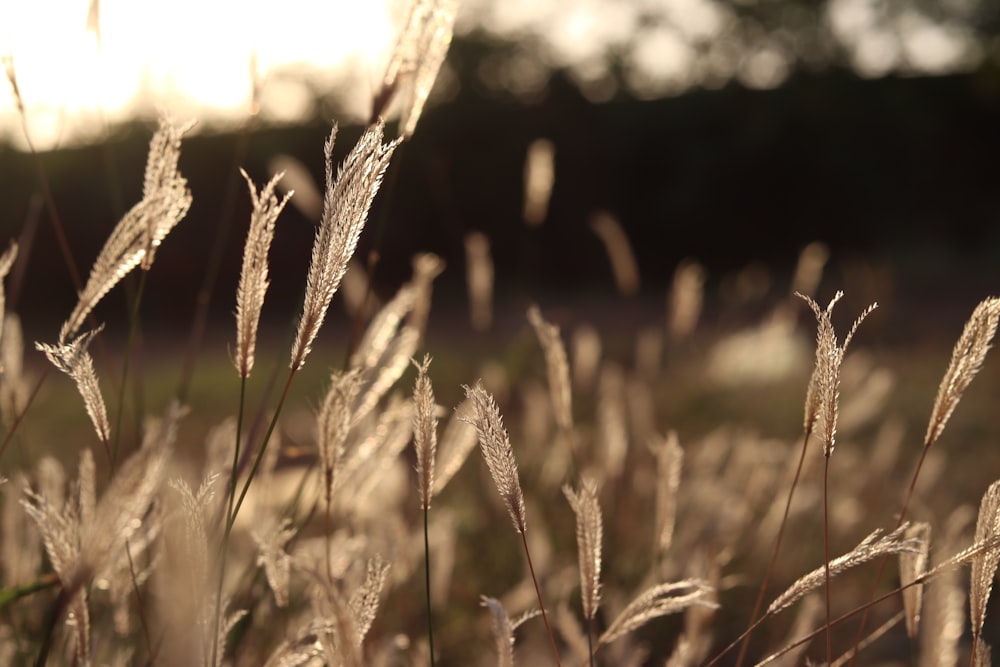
{"type": "Point", "coordinates": [186, 57]}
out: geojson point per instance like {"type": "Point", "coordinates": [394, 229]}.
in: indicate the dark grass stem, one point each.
{"type": "Point", "coordinates": [143, 621]}
{"type": "Point", "coordinates": [13, 594]}
{"type": "Point", "coordinates": [27, 406]}
{"type": "Point", "coordinates": [133, 335]}
{"type": "Point", "coordinates": [777, 547]}
{"type": "Point", "coordinates": [427, 584]}
{"type": "Point", "coordinates": [55, 613]}
{"type": "Point", "coordinates": [231, 516]}
{"type": "Point", "coordinates": [826, 554]}
{"type": "Point", "coordinates": [234, 475]}
{"type": "Point", "coordinates": [541, 605]}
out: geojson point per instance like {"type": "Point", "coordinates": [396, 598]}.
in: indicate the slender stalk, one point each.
{"type": "Point", "coordinates": [20, 416]}
{"type": "Point", "coordinates": [541, 605]}
{"type": "Point", "coordinates": [55, 613]}
{"type": "Point", "coordinates": [826, 554]}
{"type": "Point", "coordinates": [133, 334]}
{"type": "Point", "coordinates": [231, 516]}
{"type": "Point", "coordinates": [590, 641]}
{"type": "Point", "coordinates": [234, 475]}
{"type": "Point", "coordinates": [777, 546]}
{"type": "Point", "coordinates": [427, 584]}
{"type": "Point", "coordinates": [138, 598]}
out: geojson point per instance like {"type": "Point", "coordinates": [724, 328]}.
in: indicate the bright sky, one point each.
{"type": "Point", "coordinates": [188, 57]}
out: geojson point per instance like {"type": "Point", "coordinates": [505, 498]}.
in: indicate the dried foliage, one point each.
{"type": "Point", "coordinates": [873, 546]}
{"type": "Point", "coordinates": [419, 54]}
{"type": "Point", "coordinates": [495, 445]}
{"type": "Point", "coordinates": [424, 432]}
{"type": "Point", "coordinates": [966, 360]}
{"type": "Point", "coordinates": [345, 212]}
{"type": "Point", "coordinates": [254, 274]}
{"type": "Point", "coordinates": [134, 241]}
{"type": "Point", "coordinates": [557, 365]}
{"type": "Point", "coordinates": [73, 359]}
{"type": "Point", "coordinates": [984, 566]}
{"type": "Point", "coordinates": [589, 538]}
{"type": "Point", "coordinates": [660, 600]}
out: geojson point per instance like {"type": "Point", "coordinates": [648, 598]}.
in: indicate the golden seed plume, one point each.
{"type": "Point", "coordinates": [73, 359]}
{"type": "Point", "coordinates": [418, 56]}
{"type": "Point", "coordinates": [589, 537]}
{"type": "Point", "coordinates": [503, 631]}
{"type": "Point", "coordinates": [659, 600]}
{"type": "Point", "coordinates": [495, 445]}
{"type": "Point", "coordinates": [984, 566]}
{"type": "Point", "coordinates": [873, 546]}
{"type": "Point", "coordinates": [333, 425]}
{"type": "Point", "coordinates": [823, 393]}
{"type": "Point", "coordinates": [345, 212]}
{"type": "Point", "coordinates": [912, 565]}
{"type": "Point", "coordinates": [966, 360]}
{"type": "Point", "coordinates": [557, 365]}
{"type": "Point", "coordinates": [364, 602]}
{"type": "Point", "coordinates": [253, 276]}
{"type": "Point", "coordinates": [135, 239]}
{"type": "Point", "coordinates": [424, 431]}
{"type": "Point", "coordinates": [669, 460]}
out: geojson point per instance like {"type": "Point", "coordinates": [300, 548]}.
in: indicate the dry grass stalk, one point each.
{"type": "Point", "coordinates": [809, 268]}
{"type": "Point", "coordinates": [539, 175]}
{"type": "Point", "coordinates": [660, 600]}
{"type": "Point", "coordinates": [503, 631]}
{"type": "Point", "coordinates": [457, 442]}
{"type": "Point", "coordinates": [253, 276]}
{"type": "Point", "coordinates": [14, 388]}
{"type": "Point", "coordinates": [823, 393]}
{"type": "Point", "coordinates": [966, 360]}
{"type": "Point", "coordinates": [6, 262]}
{"type": "Point", "coordinates": [333, 424]}
{"type": "Point", "coordinates": [479, 277]}
{"type": "Point", "coordinates": [557, 365]}
{"type": "Point", "coordinates": [623, 264]}
{"type": "Point", "coordinates": [345, 212]}
{"type": "Point", "coordinates": [809, 613]}
{"type": "Point", "coordinates": [685, 300]}
{"type": "Point", "coordinates": [133, 242]}
{"type": "Point", "coordinates": [364, 602]}
{"type": "Point", "coordinates": [424, 432]}
{"type": "Point", "coordinates": [272, 554]}
{"type": "Point", "coordinates": [495, 445]}
{"type": "Point", "coordinates": [611, 420]}
{"type": "Point", "coordinates": [589, 537]}
{"type": "Point", "coordinates": [911, 566]}
{"type": "Point", "coordinates": [984, 566]}
{"type": "Point", "coordinates": [669, 460]}
{"type": "Point", "coordinates": [586, 354]}
{"type": "Point", "coordinates": [418, 56]}
{"type": "Point", "coordinates": [73, 359]}
{"type": "Point", "coordinates": [873, 546]}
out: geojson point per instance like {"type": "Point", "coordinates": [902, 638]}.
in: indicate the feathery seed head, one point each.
{"type": "Point", "coordinates": [253, 276]}
{"type": "Point", "coordinates": [495, 445]}
{"type": "Point", "coordinates": [823, 393]}
{"type": "Point", "coordinates": [345, 212]}
{"type": "Point", "coordinates": [424, 431]}
{"type": "Point", "coordinates": [589, 536]}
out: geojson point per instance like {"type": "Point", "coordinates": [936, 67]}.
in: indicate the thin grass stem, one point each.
{"type": "Point", "coordinates": [541, 605]}
{"type": "Point", "coordinates": [777, 546]}
{"type": "Point", "coordinates": [427, 584]}
{"type": "Point", "coordinates": [133, 334]}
